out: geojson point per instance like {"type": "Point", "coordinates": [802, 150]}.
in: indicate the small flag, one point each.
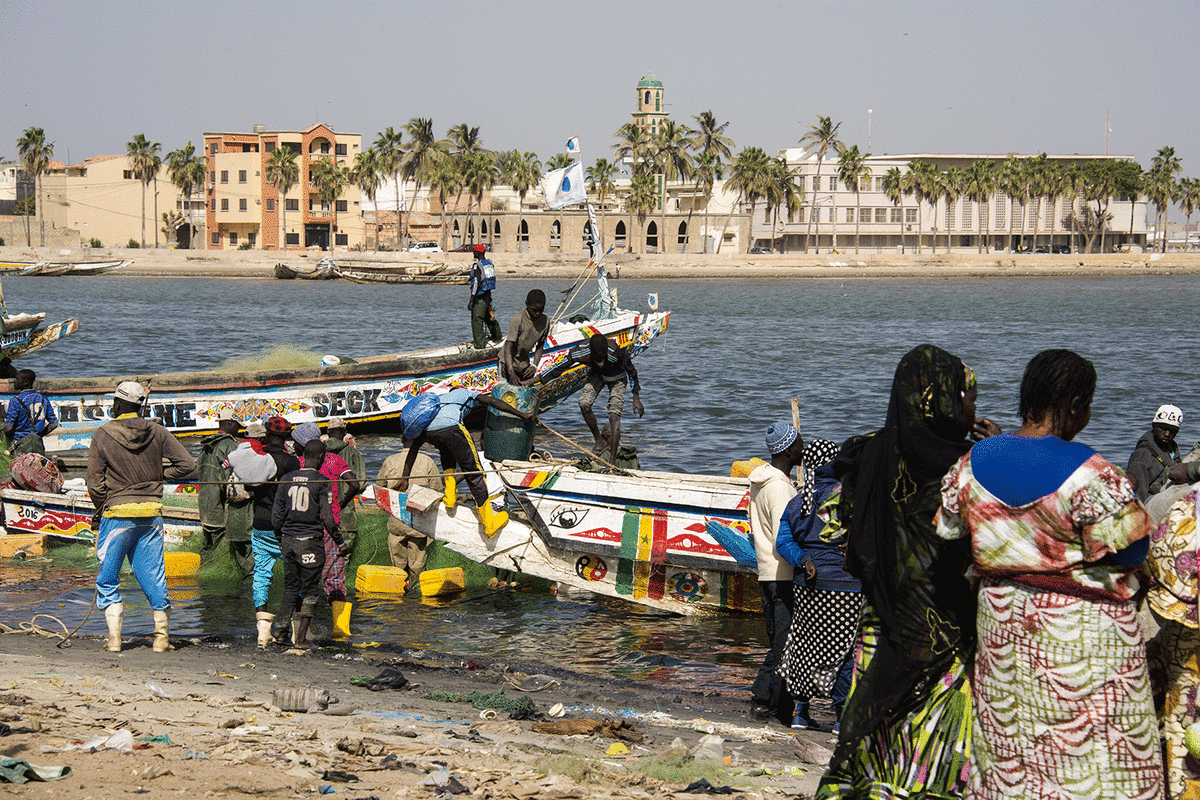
{"type": "Point", "coordinates": [573, 145]}
{"type": "Point", "coordinates": [564, 186]}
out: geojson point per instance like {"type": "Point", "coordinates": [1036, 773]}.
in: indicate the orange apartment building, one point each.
{"type": "Point", "coordinates": [244, 208]}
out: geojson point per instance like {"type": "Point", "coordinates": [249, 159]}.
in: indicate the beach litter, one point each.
{"type": "Point", "coordinates": [710, 748]}
{"type": "Point", "coordinates": [157, 690]}
{"type": "Point", "coordinates": [306, 700]}
{"type": "Point", "coordinates": [18, 770]}
{"type": "Point", "coordinates": [121, 740]}
{"type": "Point", "coordinates": [388, 678]}
{"type": "Point", "coordinates": [812, 753]}
{"type": "Point", "coordinates": [702, 786]}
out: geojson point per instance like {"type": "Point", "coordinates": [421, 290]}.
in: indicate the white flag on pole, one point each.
{"type": "Point", "coordinates": [564, 186]}
{"type": "Point", "coordinates": [573, 145]}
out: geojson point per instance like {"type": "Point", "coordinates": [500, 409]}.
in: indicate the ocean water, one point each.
{"type": "Point", "coordinates": [736, 353]}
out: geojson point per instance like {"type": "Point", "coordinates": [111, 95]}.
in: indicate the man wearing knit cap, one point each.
{"type": "Point", "coordinates": [262, 538]}
{"type": "Point", "coordinates": [771, 489]}
{"type": "Point", "coordinates": [125, 477]}
{"type": "Point", "coordinates": [1156, 453]}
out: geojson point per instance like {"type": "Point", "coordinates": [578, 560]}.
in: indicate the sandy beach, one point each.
{"type": "Point", "coordinates": [206, 720]}
{"type": "Point", "coordinates": [841, 266]}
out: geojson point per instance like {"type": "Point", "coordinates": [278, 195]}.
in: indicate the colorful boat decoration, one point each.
{"type": "Point", "coordinates": [653, 538]}
{"type": "Point", "coordinates": [69, 516]}
{"type": "Point", "coordinates": [368, 391]}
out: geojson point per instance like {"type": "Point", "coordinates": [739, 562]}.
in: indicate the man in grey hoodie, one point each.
{"type": "Point", "coordinates": [125, 477]}
{"type": "Point", "coordinates": [1156, 452]}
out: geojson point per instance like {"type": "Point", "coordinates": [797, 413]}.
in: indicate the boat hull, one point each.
{"type": "Point", "coordinates": [645, 537]}
{"type": "Point", "coordinates": [68, 517]}
{"type": "Point", "coordinates": [370, 391]}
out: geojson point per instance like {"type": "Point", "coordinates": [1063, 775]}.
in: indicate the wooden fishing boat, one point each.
{"type": "Point", "coordinates": [372, 272]}
{"type": "Point", "coordinates": [68, 517]}
{"type": "Point", "coordinates": [20, 337]}
{"type": "Point", "coordinates": [323, 270]}
{"type": "Point", "coordinates": [663, 540]}
{"type": "Point", "coordinates": [53, 268]}
{"type": "Point", "coordinates": [368, 391]}
{"type": "Point", "coordinates": [86, 268]}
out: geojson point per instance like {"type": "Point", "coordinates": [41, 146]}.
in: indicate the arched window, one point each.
{"type": "Point", "coordinates": [555, 234]}
{"type": "Point", "coordinates": [471, 230]}
{"type": "Point", "coordinates": [523, 237]}
{"type": "Point", "coordinates": [682, 237]}
{"type": "Point", "coordinates": [647, 97]}
{"type": "Point", "coordinates": [652, 236]}
{"type": "Point", "coordinates": [619, 237]}
{"type": "Point", "coordinates": [497, 231]}
{"type": "Point", "coordinates": [456, 234]}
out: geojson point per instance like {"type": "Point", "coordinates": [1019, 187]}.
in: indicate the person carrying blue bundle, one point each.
{"type": "Point", "coordinates": [818, 658]}
{"type": "Point", "coordinates": [441, 420]}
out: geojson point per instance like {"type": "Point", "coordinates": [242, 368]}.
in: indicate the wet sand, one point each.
{"type": "Point", "coordinates": [260, 264]}
{"type": "Point", "coordinates": [220, 703]}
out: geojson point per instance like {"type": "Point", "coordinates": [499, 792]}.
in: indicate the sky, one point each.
{"type": "Point", "coordinates": [991, 77]}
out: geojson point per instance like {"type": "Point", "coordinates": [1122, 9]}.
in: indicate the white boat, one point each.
{"type": "Point", "coordinates": [663, 540]}
{"type": "Point", "coordinates": [68, 517]}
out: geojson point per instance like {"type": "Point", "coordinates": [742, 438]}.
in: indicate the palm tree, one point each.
{"type": "Point", "coordinates": [367, 175]}
{"type": "Point", "coordinates": [782, 189]}
{"type": "Point", "coordinates": [632, 147]}
{"type": "Point", "coordinates": [981, 184]}
{"type": "Point", "coordinates": [749, 178]}
{"type": "Point", "coordinates": [186, 170]}
{"type": "Point", "coordinates": [1188, 199]}
{"type": "Point", "coordinates": [852, 170]}
{"type": "Point", "coordinates": [559, 161]}
{"type": "Point", "coordinates": [1101, 187]}
{"type": "Point", "coordinates": [1072, 185]}
{"type": "Point", "coordinates": [35, 154]}
{"type": "Point", "coordinates": [389, 154]}
{"type": "Point", "coordinates": [445, 181]}
{"type": "Point", "coordinates": [950, 187]}
{"type": "Point", "coordinates": [1054, 186]}
{"type": "Point", "coordinates": [1163, 168]}
{"type": "Point", "coordinates": [600, 180]}
{"type": "Point", "coordinates": [1010, 179]}
{"type": "Point", "coordinates": [925, 180]}
{"type": "Point", "coordinates": [480, 177]}
{"type": "Point", "coordinates": [420, 156]}
{"type": "Point", "coordinates": [284, 172]}
{"type": "Point", "coordinates": [521, 171]}
{"type": "Point", "coordinates": [820, 138]}
{"type": "Point", "coordinates": [328, 178]}
{"type": "Point", "coordinates": [144, 161]}
{"type": "Point", "coordinates": [1038, 177]}
{"type": "Point", "coordinates": [712, 148]}
{"type": "Point", "coordinates": [673, 160]}
{"type": "Point", "coordinates": [896, 185]}
{"type": "Point", "coordinates": [643, 196]}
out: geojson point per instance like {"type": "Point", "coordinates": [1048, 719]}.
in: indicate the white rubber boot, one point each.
{"type": "Point", "coordinates": [162, 622]}
{"type": "Point", "coordinates": [113, 615]}
{"type": "Point", "coordinates": [264, 620]}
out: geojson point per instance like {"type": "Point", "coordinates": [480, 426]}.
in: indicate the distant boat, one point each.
{"type": "Point", "coordinates": [22, 333]}
{"type": "Point", "coordinates": [663, 540]}
{"type": "Point", "coordinates": [323, 270]}
{"type": "Point", "coordinates": [53, 268]}
{"type": "Point", "coordinates": [375, 272]}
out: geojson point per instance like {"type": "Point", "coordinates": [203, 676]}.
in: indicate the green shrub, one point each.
{"type": "Point", "coordinates": [94, 242]}
{"type": "Point", "coordinates": [1, 241]}
{"type": "Point", "coordinates": [244, 246]}
{"type": "Point", "coordinates": [132, 244]}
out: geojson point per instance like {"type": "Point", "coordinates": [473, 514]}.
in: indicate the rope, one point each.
{"type": "Point", "coordinates": [579, 447]}
{"type": "Point", "coordinates": [32, 627]}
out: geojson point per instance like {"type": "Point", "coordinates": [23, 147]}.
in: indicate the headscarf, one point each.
{"type": "Point", "coordinates": [914, 581]}
{"type": "Point", "coordinates": [817, 454]}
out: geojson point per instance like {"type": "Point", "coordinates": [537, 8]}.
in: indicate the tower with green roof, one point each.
{"type": "Point", "coordinates": [651, 110]}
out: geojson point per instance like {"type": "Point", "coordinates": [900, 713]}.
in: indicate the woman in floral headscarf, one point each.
{"type": "Point", "coordinates": [906, 726]}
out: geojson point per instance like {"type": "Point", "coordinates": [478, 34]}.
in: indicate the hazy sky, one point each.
{"type": "Point", "coordinates": [965, 76]}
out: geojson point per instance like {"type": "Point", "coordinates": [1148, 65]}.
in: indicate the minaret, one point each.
{"type": "Point", "coordinates": [650, 107]}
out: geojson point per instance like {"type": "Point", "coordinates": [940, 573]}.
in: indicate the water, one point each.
{"type": "Point", "coordinates": [736, 353]}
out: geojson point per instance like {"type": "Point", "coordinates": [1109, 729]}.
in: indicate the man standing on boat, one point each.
{"type": "Point", "coordinates": [771, 489]}
{"type": "Point", "coordinates": [220, 513]}
{"type": "Point", "coordinates": [30, 416]}
{"type": "Point", "coordinates": [125, 477]}
{"type": "Point", "coordinates": [522, 349]}
{"type": "Point", "coordinates": [484, 327]}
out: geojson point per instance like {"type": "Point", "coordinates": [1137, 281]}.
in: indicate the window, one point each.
{"type": "Point", "coordinates": [910, 216]}
{"type": "Point", "coordinates": [832, 183]}
{"type": "Point", "coordinates": [658, 102]}
{"type": "Point", "coordinates": [241, 176]}
{"type": "Point", "coordinates": [619, 237]}
{"type": "Point", "coordinates": [224, 203]}
{"type": "Point", "coordinates": [212, 176]}
{"type": "Point", "coordinates": [216, 236]}
{"type": "Point", "coordinates": [128, 175]}
{"type": "Point", "coordinates": [647, 97]}
{"type": "Point", "coordinates": [341, 238]}
{"type": "Point", "coordinates": [270, 204]}
{"type": "Point", "coordinates": [291, 204]}
{"type": "Point", "coordinates": [212, 204]}
{"type": "Point", "coordinates": [340, 205]}
{"type": "Point", "coordinates": [800, 215]}
{"type": "Point", "coordinates": [340, 149]}
{"type": "Point", "coordinates": [269, 147]}
{"type": "Point", "coordinates": [242, 204]}
{"type": "Point", "coordinates": [896, 215]}
{"type": "Point", "coordinates": [249, 148]}
{"type": "Point", "coordinates": [293, 238]}
{"type": "Point", "coordinates": [556, 229]}
{"type": "Point", "coordinates": [879, 183]}
{"type": "Point", "coordinates": [224, 176]}
{"type": "Point", "coordinates": [233, 237]}
{"type": "Point", "coordinates": [850, 215]}
{"type": "Point", "coordinates": [881, 214]}
{"type": "Point", "coordinates": [212, 149]}
{"type": "Point", "coordinates": [251, 237]}
{"type": "Point", "coordinates": [816, 183]}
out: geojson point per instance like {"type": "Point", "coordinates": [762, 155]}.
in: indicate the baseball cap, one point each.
{"type": "Point", "coordinates": [130, 391]}
{"type": "Point", "coordinates": [780, 437]}
{"type": "Point", "coordinates": [1168, 415]}
{"type": "Point", "coordinates": [337, 422]}
{"type": "Point", "coordinates": [255, 430]}
{"type": "Point", "coordinates": [278, 425]}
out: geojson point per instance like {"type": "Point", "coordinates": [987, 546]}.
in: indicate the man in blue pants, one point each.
{"type": "Point", "coordinates": [263, 541]}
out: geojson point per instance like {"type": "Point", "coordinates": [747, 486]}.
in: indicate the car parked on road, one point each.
{"type": "Point", "coordinates": [424, 247]}
{"type": "Point", "coordinates": [470, 248]}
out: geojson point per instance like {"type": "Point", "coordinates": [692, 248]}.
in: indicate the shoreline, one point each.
{"type": "Point", "coordinates": [219, 703]}
{"type": "Point", "coordinates": [241, 264]}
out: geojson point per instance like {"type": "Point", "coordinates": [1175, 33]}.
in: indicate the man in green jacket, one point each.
{"type": "Point", "coordinates": [219, 514]}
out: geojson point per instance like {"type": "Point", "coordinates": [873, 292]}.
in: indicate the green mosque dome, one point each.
{"type": "Point", "coordinates": [650, 81]}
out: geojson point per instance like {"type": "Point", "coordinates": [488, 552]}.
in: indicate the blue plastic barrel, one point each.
{"type": "Point", "coordinates": [506, 436]}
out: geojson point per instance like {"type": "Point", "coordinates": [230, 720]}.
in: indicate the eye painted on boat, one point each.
{"type": "Point", "coordinates": [567, 517]}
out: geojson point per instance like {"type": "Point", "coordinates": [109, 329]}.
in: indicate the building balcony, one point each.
{"type": "Point", "coordinates": [318, 215]}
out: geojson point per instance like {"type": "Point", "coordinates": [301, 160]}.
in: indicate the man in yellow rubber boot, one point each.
{"type": "Point", "coordinates": [444, 425]}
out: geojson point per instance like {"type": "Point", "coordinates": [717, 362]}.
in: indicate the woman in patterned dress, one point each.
{"type": "Point", "coordinates": [1060, 689]}
{"type": "Point", "coordinates": [1175, 650]}
{"type": "Point", "coordinates": [906, 726]}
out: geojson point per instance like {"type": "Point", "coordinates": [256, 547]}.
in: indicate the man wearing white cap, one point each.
{"type": "Point", "coordinates": [125, 477]}
{"type": "Point", "coordinates": [1156, 452]}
